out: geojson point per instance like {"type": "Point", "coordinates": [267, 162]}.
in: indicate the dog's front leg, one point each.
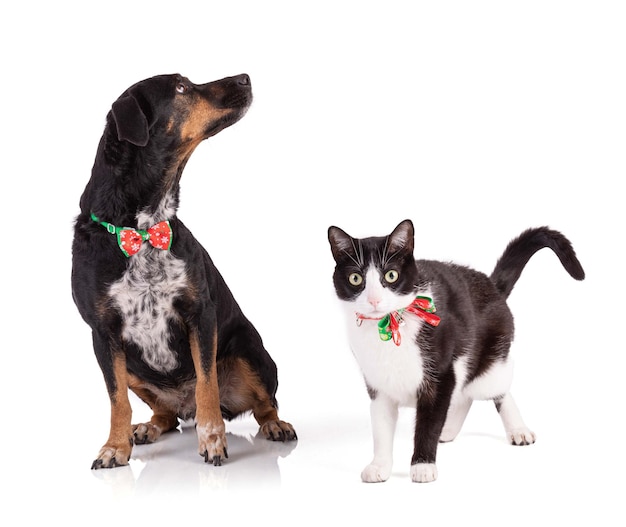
{"type": "Point", "coordinates": [209, 423]}
{"type": "Point", "coordinates": [116, 451]}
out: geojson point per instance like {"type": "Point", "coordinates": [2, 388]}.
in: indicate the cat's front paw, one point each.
{"type": "Point", "coordinates": [521, 436]}
{"type": "Point", "coordinates": [376, 473]}
{"type": "Point", "coordinates": [423, 472]}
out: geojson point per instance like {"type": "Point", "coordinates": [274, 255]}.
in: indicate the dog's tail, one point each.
{"type": "Point", "coordinates": [517, 253]}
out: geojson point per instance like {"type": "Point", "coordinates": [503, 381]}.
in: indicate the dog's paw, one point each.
{"type": "Point", "coordinates": [376, 473]}
{"type": "Point", "coordinates": [278, 431]}
{"type": "Point", "coordinates": [212, 444]}
{"type": "Point", "coordinates": [521, 436]}
{"type": "Point", "coordinates": [144, 433]}
{"type": "Point", "coordinates": [111, 457]}
{"type": "Point", "coordinates": [423, 472]}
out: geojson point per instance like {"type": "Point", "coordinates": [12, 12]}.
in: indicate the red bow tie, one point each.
{"type": "Point", "coordinates": [130, 240]}
{"type": "Point", "coordinates": [389, 325]}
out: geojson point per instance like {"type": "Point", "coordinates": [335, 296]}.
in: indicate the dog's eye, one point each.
{"type": "Point", "coordinates": [355, 279]}
{"type": "Point", "coordinates": [181, 87]}
{"type": "Point", "coordinates": [391, 276]}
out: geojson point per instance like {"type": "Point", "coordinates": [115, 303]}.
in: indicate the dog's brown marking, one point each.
{"type": "Point", "coordinates": [197, 118]}
{"type": "Point", "coordinates": [200, 115]}
{"type": "Point", "coordinates": [190, 122]}
{"type": "Point", "coordinates": [116, 451]}
{"type": "Point", "coordinates": [209, 423]}
{"type": "Point", "coordinates": [241, 389]}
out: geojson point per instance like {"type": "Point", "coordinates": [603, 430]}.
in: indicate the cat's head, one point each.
{"type": "Point", "coordinates": [375, 275]}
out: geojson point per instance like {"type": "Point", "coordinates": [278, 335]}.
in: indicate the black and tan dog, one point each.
{"type": "Point", "coordinates": [164, 323]}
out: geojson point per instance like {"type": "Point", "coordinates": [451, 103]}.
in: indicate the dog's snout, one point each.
{"type": "Point", "coordinates": [243, 79]}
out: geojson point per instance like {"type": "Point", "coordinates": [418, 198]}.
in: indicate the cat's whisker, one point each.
{"type": "Point", "coordinates": [352, 258]}
{"type": "Point", "coordinates": [358, 253]}
{"type": "Point", "coordinates": [383, 256]}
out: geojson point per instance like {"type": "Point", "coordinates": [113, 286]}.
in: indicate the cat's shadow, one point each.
{"type": "Point", "coordinates": [173, 465]}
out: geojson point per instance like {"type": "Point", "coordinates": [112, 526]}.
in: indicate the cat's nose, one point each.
{"type": "Point", "coordinates": [374, 302]}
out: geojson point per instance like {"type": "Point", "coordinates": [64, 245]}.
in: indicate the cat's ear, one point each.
{"type": "Point", "coordinates": [402, 237]}
{"type": "Point", "coordinates": [340, 242]}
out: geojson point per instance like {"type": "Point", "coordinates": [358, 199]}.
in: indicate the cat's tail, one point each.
{"type": "Point", "coordinates": [517, 253]}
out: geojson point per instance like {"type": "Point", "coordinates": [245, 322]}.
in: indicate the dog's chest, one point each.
{"type": "Point", "coordinates": [145, 296]}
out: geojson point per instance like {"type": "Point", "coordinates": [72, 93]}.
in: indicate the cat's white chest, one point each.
{"type": "Point", "coordinates": [394, 370]}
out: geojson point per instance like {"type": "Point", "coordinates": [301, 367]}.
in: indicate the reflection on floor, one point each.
{"type": "Point", "coordinates": [172, 464]}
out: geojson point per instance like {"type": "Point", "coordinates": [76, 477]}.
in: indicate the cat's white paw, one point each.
{"type": "Point", "coordinates": [423, 472]}
{"type": "Point", "coordinates": [521, 436]}
{"type": "Point", "coordinates": [374, 473]}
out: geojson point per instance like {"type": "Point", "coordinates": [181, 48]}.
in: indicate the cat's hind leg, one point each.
{"type": "Point", "coordinates": [460, 404]}
{"type": "Point", "coordinates": [516, 430]}
{"type": "Point", "coordinates": [384, 416]}
{"type": "Point", "coordinates": [457, 412]}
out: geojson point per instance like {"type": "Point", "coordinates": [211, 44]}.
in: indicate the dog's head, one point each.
{"type": "Point", "coordinates": [173, 107]}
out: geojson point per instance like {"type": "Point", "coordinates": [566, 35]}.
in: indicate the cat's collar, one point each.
{"type": "Point", "coordinates": [389, 324]}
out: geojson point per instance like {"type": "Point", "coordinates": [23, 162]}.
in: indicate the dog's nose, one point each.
{"type": "Point", "coordinates": [243, 79]}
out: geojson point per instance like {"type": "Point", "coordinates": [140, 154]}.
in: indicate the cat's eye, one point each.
{"type": "Point", "coordinates": [355, 279]}
{"type": "Point", "coordinates": [391, 276]}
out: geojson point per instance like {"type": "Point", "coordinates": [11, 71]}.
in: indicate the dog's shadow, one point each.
{"type": "Point", "coordinates": [172, 465]}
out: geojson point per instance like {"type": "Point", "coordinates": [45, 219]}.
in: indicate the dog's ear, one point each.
{"type": "Point", "coordinates": [131, 122]}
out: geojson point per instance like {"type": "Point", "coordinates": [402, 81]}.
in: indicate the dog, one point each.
{"type": "Point", "coordinates": [164, 323]}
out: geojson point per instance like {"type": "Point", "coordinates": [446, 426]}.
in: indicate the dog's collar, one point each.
{"type": "Point", "coordinates": [130, 240]}
{"type": "Point", "coordinates": [389, 325]}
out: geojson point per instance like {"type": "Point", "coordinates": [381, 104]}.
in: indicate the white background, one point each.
{"type": "Point", "coordinates": [474, 119]}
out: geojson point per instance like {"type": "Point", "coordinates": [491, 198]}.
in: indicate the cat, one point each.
{"type": "Point", "coordinates": [433, 336]}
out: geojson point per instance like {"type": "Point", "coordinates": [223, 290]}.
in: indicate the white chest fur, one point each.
{"type": "Point", "coordinates": [144, 296]}
{"type": "Point", "coordinates": [396, 371]}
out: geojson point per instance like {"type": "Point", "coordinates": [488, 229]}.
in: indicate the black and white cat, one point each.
{"type": "Point", "coordinates": [437, 361]}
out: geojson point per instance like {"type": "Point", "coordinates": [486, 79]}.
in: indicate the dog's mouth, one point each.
{"type": "Point", "coordinates": [227, 120]}
{"type": "Point", "coordinates": [238, 100]}
{"type": "Point", "coordinates": [230, 93]}
{"type": "Point", "coordinates": [233, 94]}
